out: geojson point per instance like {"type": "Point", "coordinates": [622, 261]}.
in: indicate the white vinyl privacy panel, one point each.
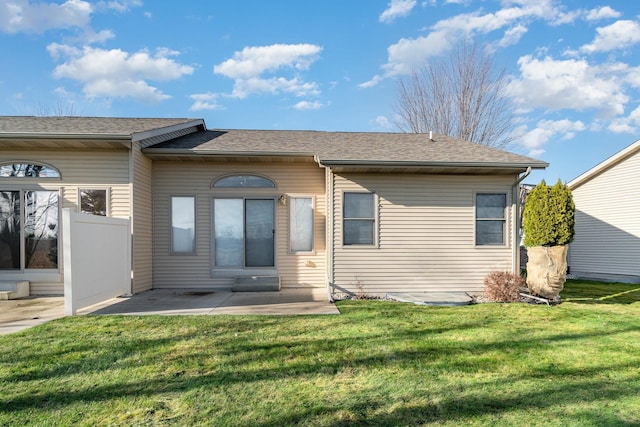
{"type": "Point", "coordinates": [425, 234]}
{"type": "Point", "coordinates": [607, 239]}
{"type": "Point", "coordinates": [97, 259]}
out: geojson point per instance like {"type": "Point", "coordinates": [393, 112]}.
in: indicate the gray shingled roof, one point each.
{"type": "Point", "coordinates": [330, 148]}
{"type": "Point", "coordinates": [107, 126]}
{"type": "Point", "coordinates": [339, 147]}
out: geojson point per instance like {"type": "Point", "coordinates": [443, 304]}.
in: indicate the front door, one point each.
{"type": "Point", "coordinates": [244, 231]}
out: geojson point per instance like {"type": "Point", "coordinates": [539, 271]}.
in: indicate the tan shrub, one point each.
{"type": "Point", "coordinates": [503, 286]}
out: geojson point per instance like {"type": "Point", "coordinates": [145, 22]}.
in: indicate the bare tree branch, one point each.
{"type": "Point", "coordinates": [463, 96]}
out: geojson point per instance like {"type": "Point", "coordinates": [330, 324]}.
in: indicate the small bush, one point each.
{"type": "Point", "coordinates": [503, 286]}
{"type": "Point", "coordinates": [549, 216]}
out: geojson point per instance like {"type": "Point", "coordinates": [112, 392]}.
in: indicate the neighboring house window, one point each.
{"type": "Point", "coordinates": [301, 224]}
{"type": "Point", "coordinates": [29, 229]}
{"type": "Point", "coordinates": [28, 170]}
{"type": "Point", "coordinates": [491, 219]}
{"type": "Point", "coordinates": [244, 181]}
{"type": "Point", "coordinates": [359, 219]}
{"type": "Point", "coordinates": [183, 220]}
{"type": "Point", "coordinates": [94, 202]}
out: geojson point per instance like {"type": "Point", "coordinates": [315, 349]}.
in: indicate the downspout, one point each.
{"type": "Point", "coordinates": [328, 182]}
{"type": "Point", "coordinates": [516, 222]}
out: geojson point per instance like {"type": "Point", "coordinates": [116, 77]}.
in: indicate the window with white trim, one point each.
{"type": "Point", "coordinates": [301, 224]}
{"type": "Point", "coordinates": [29, 229]}
{"type": "Point", "coordinates": [28, 170]}
{"type": "Point", "coordinates": [491, 219]}
{"type": "Point", "coordinates": [93, 201]}
{"type": "Point", "coordinates": [359, 219]}
{"type": "Point", "coordinates": [183, 221]}
{"type": "Point", "coordinates": [243, 181]}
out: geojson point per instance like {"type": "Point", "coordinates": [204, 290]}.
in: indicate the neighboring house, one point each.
{"type": "Point", "coordinates": [607, 240]}
{"type": "Point", "coordinates": [371, 212]}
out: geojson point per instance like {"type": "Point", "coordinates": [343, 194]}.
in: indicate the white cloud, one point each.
{"type": "Point", "coordinates": [397, 9]}
{"type": "Point", "coordinates": [408, 53]}
{"type": "Point", "coordinates": [627, 124]}
{"type": "Point", "coordinates": [308, 105]}
{"type": "Point", "coordinates": [635, 116]}
{"type": "Point", "coordinates": [512, 35]}
{"type": "Point", "coordinates": [370, 83]}
{"type": "Point", "coordinates": [633, 77]}
{"type": "Point", "coordinates": [255, 85]}
{"type": "Point", "coordinates": [566, 17]}
{"type": "Point", "coordinates": [252, 61]}
{"type": "Point", "coordinates": [89, 36]}
{"type": "Point", "coordinates": [383, 122]}
{"type": "Point", "coordinates": [25, 16]}
{"type": "Point", "coordinates": [533, 140]}
{"type": "Point", "coordinates": [205, 101]}
{"type": "Point", "coordinates": [621, 126]}
{"type": "Point", "coordinates": [619, 35]}
{"type": "Point", "coordinates": [569, 84]}
{"type": "Point", "coordinates": [119, 6]}
{"type": "Point", "coordinates": [116, 73]}
{"type": "Point", "coordinates": [249, 69]}
{"type": "Point", "coordinates": [602, 13]}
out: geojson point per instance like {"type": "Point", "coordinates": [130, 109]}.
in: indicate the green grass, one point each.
{"type": "Point", "coordinates": [590, 292]}
{"type": "Point", "coordinates": [379, 363]}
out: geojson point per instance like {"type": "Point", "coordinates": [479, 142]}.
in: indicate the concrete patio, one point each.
{"type": "Point", "coordinates": [19, 314]}
{"type": "Point", "coordinates": [23, 313]}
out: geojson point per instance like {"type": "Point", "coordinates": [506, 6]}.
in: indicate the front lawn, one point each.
{"type": "Point", "coordinates": [590, 292]}
{"type": "Point", "coordinates": [379, 363]}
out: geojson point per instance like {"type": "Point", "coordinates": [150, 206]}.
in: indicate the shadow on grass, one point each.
{"type": "Point", "coordinates": [590, 292]}
{"type": "Point", "coordinates": [417, 343]}
{"type": "Point", "coordinates": [366, 406]}
{"type": "Point", "coordinates": [450, 365]}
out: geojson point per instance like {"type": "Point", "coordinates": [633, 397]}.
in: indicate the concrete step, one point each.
{"type": "Point", "coordinates": [14, 289]}
{"type": "Point", "coordinates": [256, 284]}
{"type": "Point", "coordinates": [432, 298]}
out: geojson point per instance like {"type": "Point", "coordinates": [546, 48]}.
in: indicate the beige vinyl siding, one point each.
{"type": "Point", "coordinates": [78, 169]}
{"type": "Point", "coordinates": [142, 224]}
{"type": "Point", "coordinates": [426, 234]}
{"type": "Point", "coordinates": [175, 178]}
{"type": "Point", "coordinates": [607, 239]}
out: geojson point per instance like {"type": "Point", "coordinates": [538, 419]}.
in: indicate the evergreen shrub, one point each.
{"type": "Point", "coordinates": [549, 216]}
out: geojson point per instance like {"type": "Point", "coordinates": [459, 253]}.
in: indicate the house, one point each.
{"type": "Point", "coordinates": [353, 212]}
{"type": "Point", "coordinates": [607, 239]}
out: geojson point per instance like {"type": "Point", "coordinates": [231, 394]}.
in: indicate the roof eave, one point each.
{"type": "Point", "coordinates": [414, 164]}
{"type": "Point", "coordinates": [169, 152]}
{"type": "Point", "coordinates": [138, 136]}
{"type": "Point", "coordinates": [85, 136]}
{"type": "Point", "coordinates": [135, 136]}
{"type": "Point", "coordinates": [604, 165]}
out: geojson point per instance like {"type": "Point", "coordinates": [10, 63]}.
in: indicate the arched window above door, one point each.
{"type": "Point", "coordinates": [243, 181]}
{"type": "Point", "coordinates": [28, 170]}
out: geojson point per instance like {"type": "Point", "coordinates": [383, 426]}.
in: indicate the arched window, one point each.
{"type": "Point", "coordinates": [243, 181]}
{"type": "Point", "coordinates": [28, 170]}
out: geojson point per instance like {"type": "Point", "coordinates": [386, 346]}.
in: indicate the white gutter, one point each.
{"type": "Point", "coordinates": [31, 135]}
{"type": "Point", "coordinates": [516, 221]}
{"type": "Point", "coordinates": [417, 163]}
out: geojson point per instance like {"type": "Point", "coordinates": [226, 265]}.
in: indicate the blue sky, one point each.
{"type": "Point", "coordinates": [574, 66]}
